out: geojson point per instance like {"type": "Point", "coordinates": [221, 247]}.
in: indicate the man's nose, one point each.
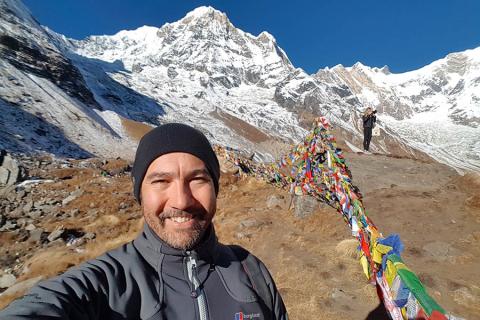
{"type": "Point", "coordinates": [182, 197]}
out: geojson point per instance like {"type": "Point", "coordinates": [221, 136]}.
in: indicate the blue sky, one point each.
{"type": "Point", "coordinates": [403, 34]}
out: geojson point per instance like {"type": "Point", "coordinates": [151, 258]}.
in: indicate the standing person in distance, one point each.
{"type": "Point", "coordinates": [369, 120]}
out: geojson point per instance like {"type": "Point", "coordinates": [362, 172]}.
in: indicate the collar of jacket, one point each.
{"type": "Point", "coordinates": [152, 247]}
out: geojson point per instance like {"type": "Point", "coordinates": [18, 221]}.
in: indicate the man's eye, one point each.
{"type": "Point", "coordinates": [201, 179]}
{"type": "Point", "coordinates": [159, 181]}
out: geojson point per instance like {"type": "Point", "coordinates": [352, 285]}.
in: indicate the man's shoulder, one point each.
{"type": "Point", "coordinates": [122, 255]}
{"type": "Point", "coordinates": [249, 261]}
{"type": "Point", "coordinates": [236, 252]}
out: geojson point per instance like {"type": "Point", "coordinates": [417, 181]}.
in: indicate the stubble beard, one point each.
{"type": "Point", "coordinates": [182, 239]}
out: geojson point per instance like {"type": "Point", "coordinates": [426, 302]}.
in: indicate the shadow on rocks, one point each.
{"type": "Point", "coordinates": [379, 313]}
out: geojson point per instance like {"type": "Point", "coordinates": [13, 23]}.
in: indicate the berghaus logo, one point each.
{"type": "Point", "coordinates": [243, 316]}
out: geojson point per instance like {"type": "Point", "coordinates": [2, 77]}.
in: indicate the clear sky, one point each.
{"type": "Point", "coordinates": [403, 34]}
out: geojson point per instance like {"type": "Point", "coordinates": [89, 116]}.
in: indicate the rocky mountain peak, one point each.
{"type": "Point", "coordinates": [385, 70]}
{"type": "Point", "coordinates": [266, 37]}
{"type": "Point", "coordinates": [207, 23]}
{"type": "Point", "coordinates": [205, 13]}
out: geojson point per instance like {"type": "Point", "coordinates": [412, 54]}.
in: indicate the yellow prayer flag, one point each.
{"type": "Point", "coordinates": [378, 251]}
{"type": "Point", "coordinates": [364, 263]}
{"type": "Point", "coordinates": [390, 272]}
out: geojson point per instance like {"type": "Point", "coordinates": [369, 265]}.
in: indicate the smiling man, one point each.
{"type": "Point", "coordinates": [176, 268]}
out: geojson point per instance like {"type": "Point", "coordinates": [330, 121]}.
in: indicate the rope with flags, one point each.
{"type": "Point", "coordinates": [318, 168]}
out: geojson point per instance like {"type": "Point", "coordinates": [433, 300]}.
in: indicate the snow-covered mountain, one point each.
{"type": "Point", "coordinates": [240, 89]}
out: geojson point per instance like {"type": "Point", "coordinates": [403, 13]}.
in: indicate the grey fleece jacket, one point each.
{"type": "Point", "coordinates": [147, 279]}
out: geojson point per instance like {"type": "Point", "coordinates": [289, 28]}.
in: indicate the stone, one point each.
{"type": "Point", "coordinates": [36, 235]}
{"type": "Point", "coordinates": [28, 206]}
{"type": "Point", "coordinates": [57, 242]}
{"type": "Point", "coordinates": [76, 242]}
{"type": "Point", "coordinates": [90, 236]}
{"type": "Point", "coordinates": [251, 223]}
{"type": "Point", "coordinates": [305, 206]}
{"type": "Point", "coordinates": [10, 171]}
{"type": "Point", "coordinates": [9, 225]}
{"type": "Point", "coordinates": [440, 250]}
{"type": "Point", "coordinates": [46, 208]}
{"type": "Point", "coordinates": [21, 287]}
{"type": "Point", "coordinates": [22, 222]}
{"type": "Point", "coordinates": [11, 196]}
{"type": "Point", "coordinates": [52, 201]}
{"type": "Point", "coordinates": [8, 193]}
{"type": "Point", "coordinates": [17, 213]}
{"type": "Point", "coordinates": [243, 235]}
{"type": "Point", "coordinates": [274, 201]}
{"type": "Point", "coordinates": [74, 212]}
{"type": "Point", "coordinates": [73, 195]}
{"type": "Point", "coordinates": [30, 227]}
{"type": "Point", "coordinates": [39, 203]}
{"type": "Point", "coordinates": [35, 214]}
{"type": "Point", "coordinates": [4, 176]}
{"type": "Point", "coordinates": [20, 195]}
{"type": "Point", "coordinates": [7, 280]}
{"type": "Point", "coordinates": [466, 297]}
{"type": "Point", "coordinates": [57, 233]}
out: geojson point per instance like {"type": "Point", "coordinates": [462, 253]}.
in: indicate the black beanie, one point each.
{"type": "Point", "coordinates": [168, 138]}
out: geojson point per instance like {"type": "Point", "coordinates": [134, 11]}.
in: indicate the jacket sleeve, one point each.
{"type": "Point", "coordinates": [365, 119]}
{"type": "Point", "coordinates": [279, 310]}
{"type": "Point", "coordinates": [78, 294]}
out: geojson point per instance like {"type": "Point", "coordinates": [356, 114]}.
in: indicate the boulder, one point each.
{"type": "Point", "coordinates": [251, 223]}
{"type": "Point", "coordinates": [440, 250]}
{"type": "Point", "coordinates": [274, 201]}
{"type": "Point", "coordinates": [10, 171]}
{"type": "Point", "coordinates": [21, 287]}
{"type": "Point", "coordinates": [57, 233]}
{"type": "Point", "coordinates": [74, 195]}
{"type": "Point", "coordinates": [7, 280]}
{"type": "Point", "coordinates": [305, 206]}
{"type": "Point", "coordinates": [36, 235]}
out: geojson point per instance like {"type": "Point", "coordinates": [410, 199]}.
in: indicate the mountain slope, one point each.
{"type": "Point", "coordinates": [46, 103]}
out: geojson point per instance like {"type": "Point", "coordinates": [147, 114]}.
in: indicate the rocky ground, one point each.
{"type": "Point", "coordinates": [68, 211]}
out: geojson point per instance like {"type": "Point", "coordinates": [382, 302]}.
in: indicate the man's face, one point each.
{"type": "Point", "coordinates": [178, 199]}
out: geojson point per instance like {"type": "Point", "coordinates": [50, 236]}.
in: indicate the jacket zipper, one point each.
{"type": "Point", "coordinates": [197, 292]}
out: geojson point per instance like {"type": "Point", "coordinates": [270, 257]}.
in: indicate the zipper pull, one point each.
{"type": "Point", "coordinates": [193, 276]}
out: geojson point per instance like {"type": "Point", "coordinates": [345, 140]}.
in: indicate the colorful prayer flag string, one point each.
{"type": "Point", "coordinates": [316, 167]}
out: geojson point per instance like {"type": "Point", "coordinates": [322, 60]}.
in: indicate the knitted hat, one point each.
{"type": "Point", "coordinates": [168, 138]}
